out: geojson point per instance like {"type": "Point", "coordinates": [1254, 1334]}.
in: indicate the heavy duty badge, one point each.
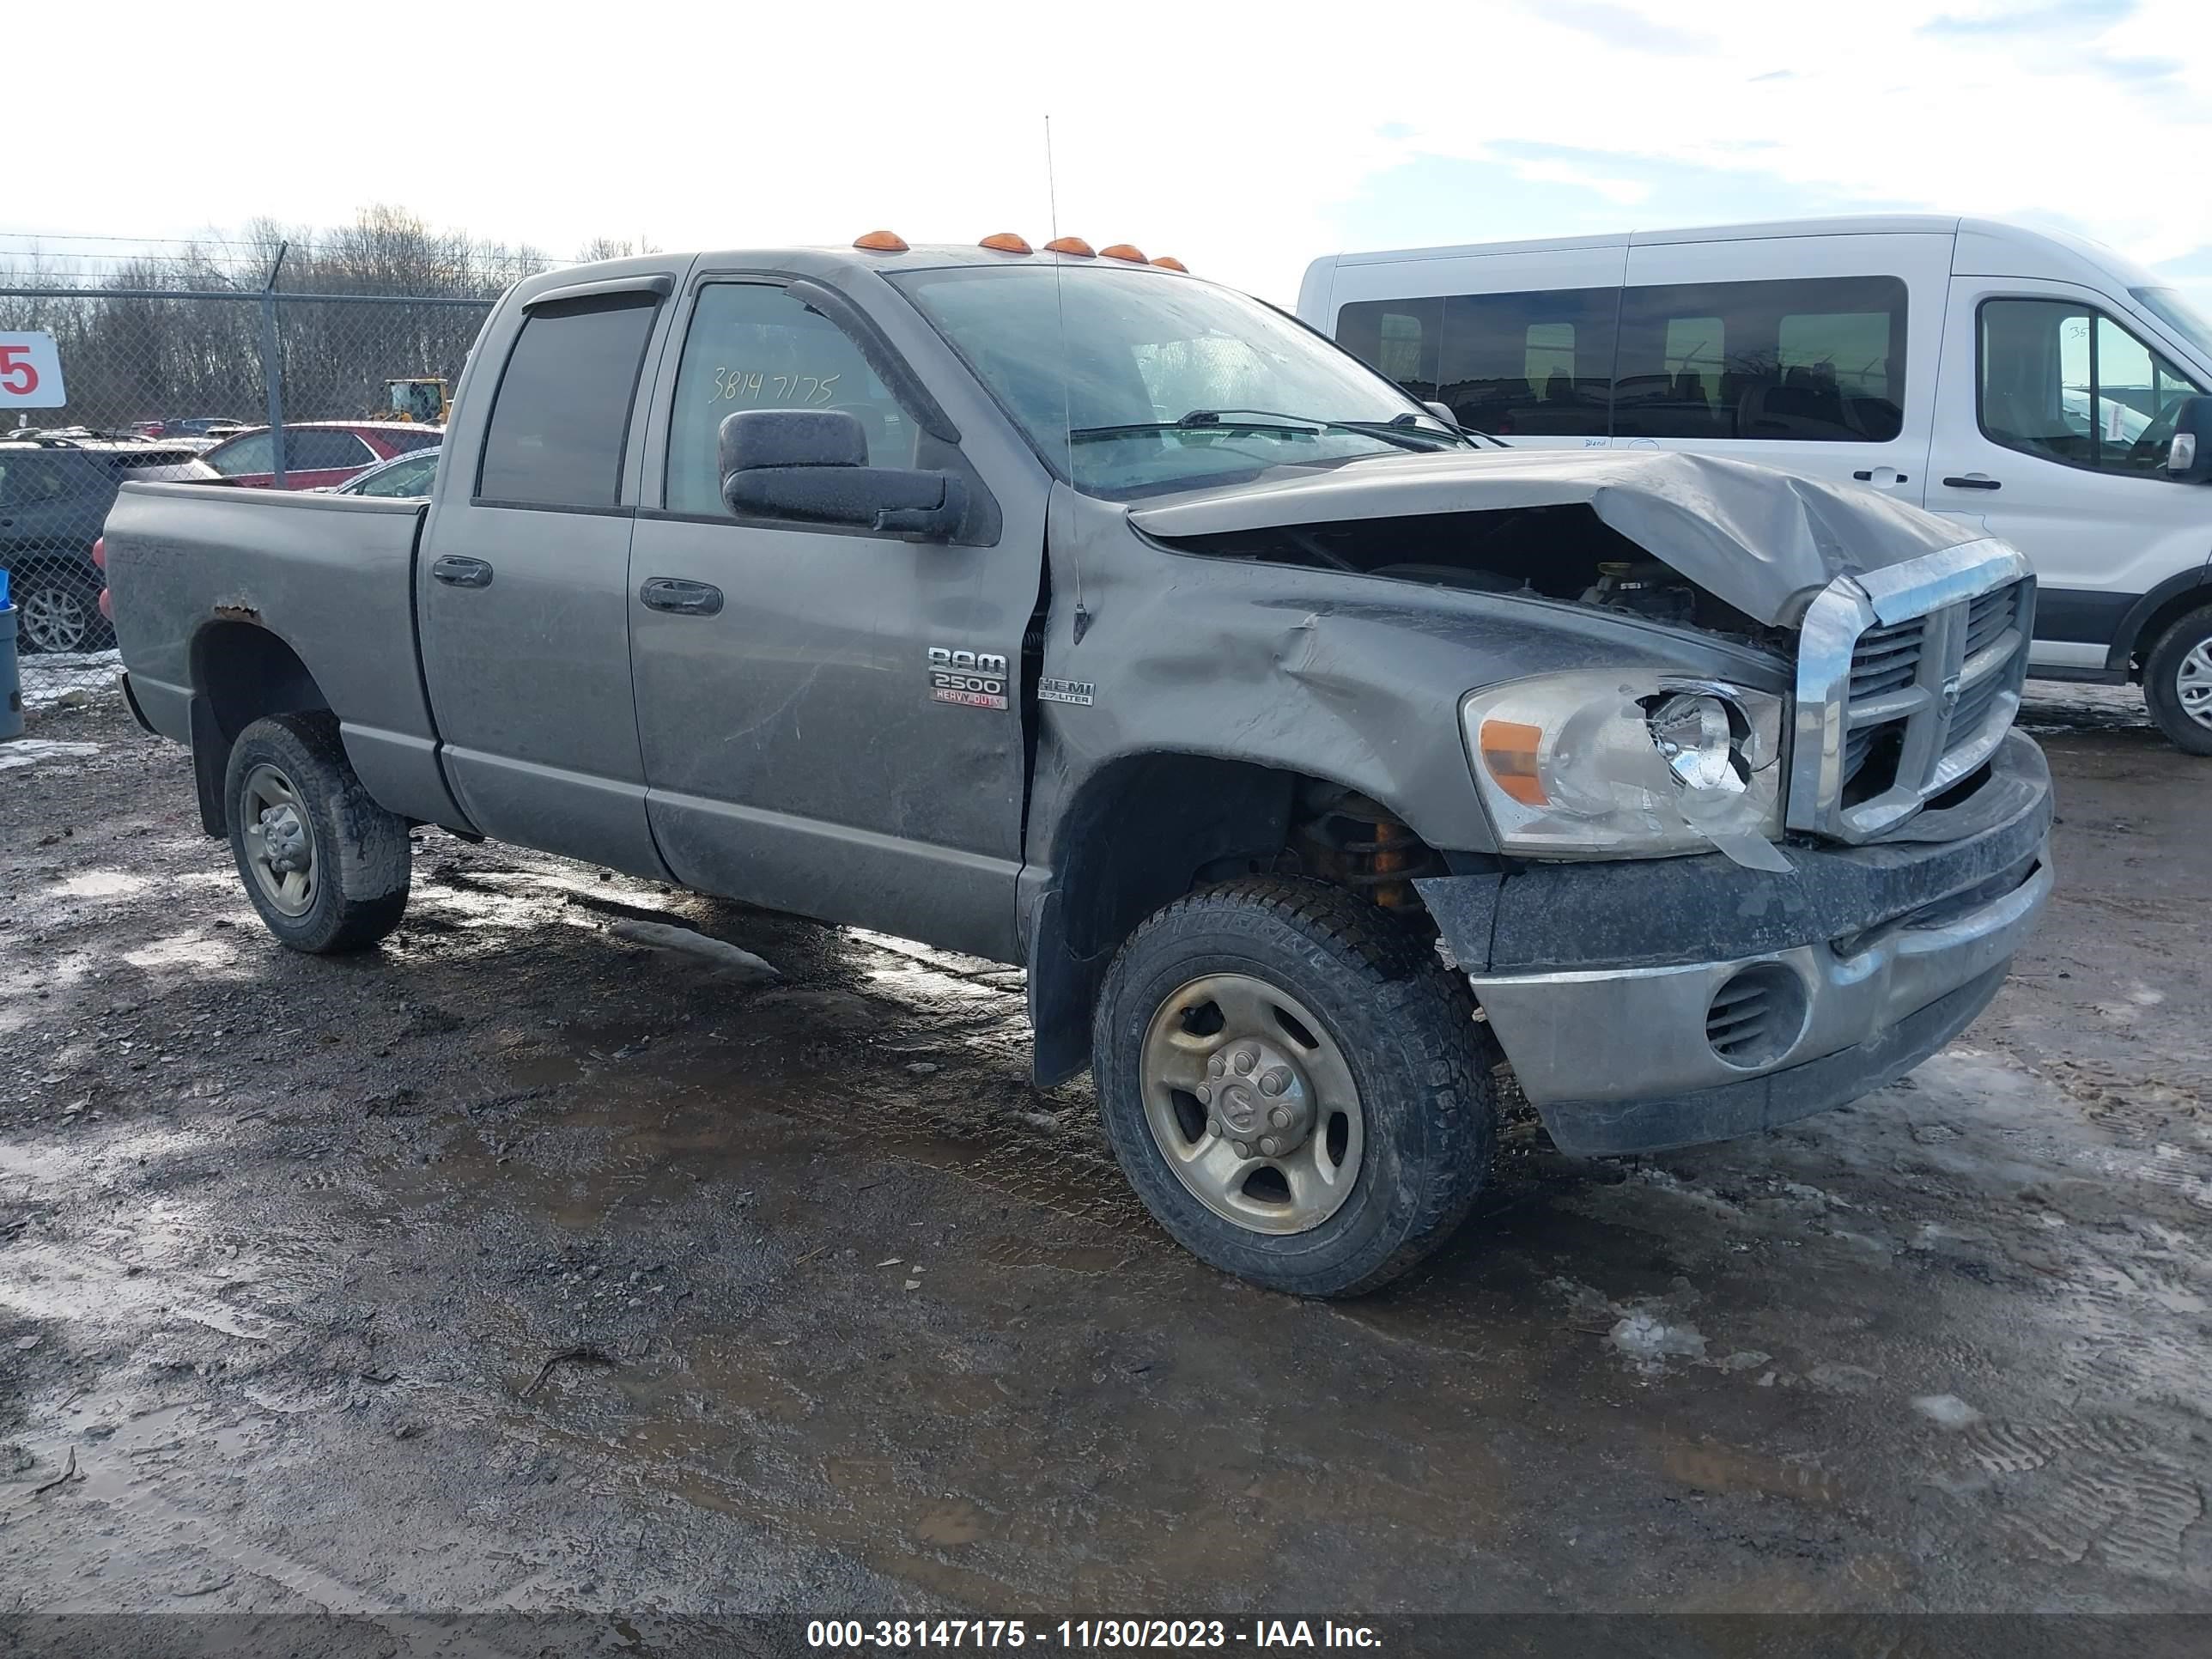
{"type": "Point", "coordinates": [977, 679]}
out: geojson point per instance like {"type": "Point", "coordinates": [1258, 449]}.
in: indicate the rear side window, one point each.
{"type": "Point", "coordinates": [561, 412]}
{"type": "Point", "coordinates": [310, 449]}
{"type": "Point", "coordinates": [244, 457]}
{"type": "Point", "coordinates": [26, 480]}
{"type": "Point", "coordinates": [1815, 360]}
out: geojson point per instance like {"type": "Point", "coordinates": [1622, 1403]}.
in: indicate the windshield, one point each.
{"type": "Point", "coordinates": [1168, 383]}
{"type": "Point", "coordinates": [2170, 307]}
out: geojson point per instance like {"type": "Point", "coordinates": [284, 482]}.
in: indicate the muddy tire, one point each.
{"type": "Point", "coordinates": [326, 866]}
{"type": "Point", "coordinates": [2177, 681]}
{"type": "Point", "coordinates": [1347, 1118]}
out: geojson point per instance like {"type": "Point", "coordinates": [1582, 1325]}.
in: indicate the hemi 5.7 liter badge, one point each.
{"type": "Point", "coordinates": [1066, 691]}
{"type": "Point", "coordinates": [976, 679]}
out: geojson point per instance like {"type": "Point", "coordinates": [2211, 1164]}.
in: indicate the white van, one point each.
{"type": "Point", "coordinates": [2030, 382]}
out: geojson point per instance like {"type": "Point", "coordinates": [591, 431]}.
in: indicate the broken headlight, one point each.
{"type": "Point", "coordinates": [1597, 765]}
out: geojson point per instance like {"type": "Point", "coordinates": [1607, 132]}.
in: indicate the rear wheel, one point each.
{"type": "Point", "coordinates": [2177, 681]}
{"type": "Point", "coordinates": [58, 614]}
{"type": "Point", "coordinates": [1294, 1086]}
{"type": "Point", "coordinates": [326, 866]}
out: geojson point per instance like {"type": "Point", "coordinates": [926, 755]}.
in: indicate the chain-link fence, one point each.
{"type": "Point", "coordinates": [267, 385]}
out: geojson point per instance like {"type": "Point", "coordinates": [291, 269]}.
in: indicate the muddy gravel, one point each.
{"type": "Point", "coordinates": [522, 1264]}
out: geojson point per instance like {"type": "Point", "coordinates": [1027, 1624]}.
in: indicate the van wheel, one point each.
{"type": "Point", "coordinates": [2177, 681]}
{"type": "Point", "coordinates": [326, 866]}
{"type": "Point", "coordinates": [1294, 1086]}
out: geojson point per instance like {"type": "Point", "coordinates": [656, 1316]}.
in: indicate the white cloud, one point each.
{"type": "Point", "coordinates": [1228, 135]}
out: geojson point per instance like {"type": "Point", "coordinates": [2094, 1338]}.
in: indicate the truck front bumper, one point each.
{"type": "Point", "coordinates": [1659, 1003]}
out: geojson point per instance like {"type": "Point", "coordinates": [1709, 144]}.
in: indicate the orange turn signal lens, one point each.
{"type": "Point", "coordinates": [881, 241]}
{"type": "Point", "coordinates": [1123, 250]}
{"type": "Point", "coordinates": [1168, 262]}
{"type": "Point", "coordinates": [1069, 244]}
{"type": "Point", "coordinates": [1007, 242]}
{"type": "Point", "coordinates": [1510, 749]}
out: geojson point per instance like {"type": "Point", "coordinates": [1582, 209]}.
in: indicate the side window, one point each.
{"type": "Point", "coordinates": [1530, 364]}
{"type": "Point", "coordinates": [1813, 360]}
{"type": "Point", "coordinates": [2066, 383]}
{"type": "Point", "coordinates": [314, 449]}
{"type": "Point", "coordinates": [562, 413]}
{"type": "Point", "coordinates": [26, 480]}
{"type": "Point", "coordinates": [1396, 337]}
{"type": "Point", "coordinates": [253, 454]}
{"type": "Point", "coordinates": [752, 346]}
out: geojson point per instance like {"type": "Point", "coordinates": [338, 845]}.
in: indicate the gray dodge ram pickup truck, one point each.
{"type": "Point", "coordinates": [1069, 611]}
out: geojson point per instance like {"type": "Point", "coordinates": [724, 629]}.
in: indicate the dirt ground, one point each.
{"type": "Point", "coordinates": [518, 1266]}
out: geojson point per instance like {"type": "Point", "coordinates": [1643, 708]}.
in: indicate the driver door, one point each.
{"type": "Point", "coordinates": [2049, 436]}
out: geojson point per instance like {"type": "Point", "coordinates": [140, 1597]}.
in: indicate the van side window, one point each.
{"type": "Point", "coordinates": [1397, 336]}
{"type": "Point", "coordinates": [1813, 360]}
{"type": "Point", "coordinates": [562, 413]}
{"type": "Point", "coordinates": [1538, 365]}
{"type": "Point", "coordinates": [2067, 383]}
{"type": "Point", "coordinates": [753, 346]}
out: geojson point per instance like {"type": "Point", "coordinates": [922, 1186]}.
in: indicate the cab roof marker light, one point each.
{"type": "Point", "coordinates": [1074, 245]}
{"type": "Point", "coordinates": [1168, 262]}
{"type": "Point", "coordinates": [881, 241]}
{"type": "Point", "coordinates": [1006, 241]}
{"type": "Point", "coordinates": [1124, 251]}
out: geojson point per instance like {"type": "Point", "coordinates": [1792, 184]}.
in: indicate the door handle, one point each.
{"type": "Point", "coordinates": [462, 573]}
{"type": "Point", "coordinates": [1866, 476]}
{"type": "Point", "coordinates": [1971, 483]}
{"type": "Point", "coordinates": [680, 597]}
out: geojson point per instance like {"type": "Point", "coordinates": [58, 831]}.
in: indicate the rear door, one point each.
{"type": "Point", "coordinates": [523, 580]}
{"type": "Point", "coordinates": [800, 751]}
{"type": "Point", "coordinates": [1816, 355]}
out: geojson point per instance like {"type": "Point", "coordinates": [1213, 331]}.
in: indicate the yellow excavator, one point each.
{"type": "Point", "coordinates": [419, 399]}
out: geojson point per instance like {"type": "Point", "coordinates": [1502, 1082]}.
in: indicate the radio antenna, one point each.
{"type": "Point", "coordinates": [1079, 624]}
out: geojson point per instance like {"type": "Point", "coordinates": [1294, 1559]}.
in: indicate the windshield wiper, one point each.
{"type": "Point", "coordinates": [1394, 432]}
{"type": "Point", "coordinates": [1207, 419]}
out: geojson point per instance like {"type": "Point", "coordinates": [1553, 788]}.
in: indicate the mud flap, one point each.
{"type": "Point", "coordinates": [210, 758]}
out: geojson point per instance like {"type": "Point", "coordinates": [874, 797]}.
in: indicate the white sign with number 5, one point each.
{"type": "Point", "coordinates": [30, 372]}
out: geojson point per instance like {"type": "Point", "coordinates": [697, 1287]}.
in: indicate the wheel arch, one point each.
{"type": "Point", "coordinates": [241, 671]}
{"type": "Point", "coordinates": [1139, 830]}
{"type": "Point", "coordinates": [2151, 615]}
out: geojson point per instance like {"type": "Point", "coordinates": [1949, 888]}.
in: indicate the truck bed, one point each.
{"type": "Point", "coordinates": [330, 576]}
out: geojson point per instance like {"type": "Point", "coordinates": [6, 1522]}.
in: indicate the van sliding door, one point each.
{"type": "Point", "coordinates": [1816, 355]}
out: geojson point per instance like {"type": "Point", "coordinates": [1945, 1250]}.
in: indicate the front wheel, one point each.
{"type": "Point", "coordinates": [2177, 681]}
{"type": "Point", "coordinates": [1294, 1086]}
{"type": "Point", "coordinates": [326, 866]}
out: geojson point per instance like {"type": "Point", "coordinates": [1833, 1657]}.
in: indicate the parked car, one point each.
{"type": "Point", "coordinates": [2025, 382]}
{"type": "Point", "coordinates": [192, 425]}
{"type": "Point", "coordinates": [403, 475]}
{"type": "Point", "coordinates": [318, 454]}
{"type": "Point", "coordinates": [54, 492]}
{"type": "Point", "coordinates": [1309, 754]}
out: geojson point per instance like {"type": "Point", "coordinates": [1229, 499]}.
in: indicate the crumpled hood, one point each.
{"type": "Point", "coordinates": [1749, 535]}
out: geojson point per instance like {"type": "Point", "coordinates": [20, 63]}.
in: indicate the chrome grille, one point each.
{"type": "Point", "coordinates": [1907, 679]}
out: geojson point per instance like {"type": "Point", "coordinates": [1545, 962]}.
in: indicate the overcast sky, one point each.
{"type": "Point", "coordinates": [1244, 138]}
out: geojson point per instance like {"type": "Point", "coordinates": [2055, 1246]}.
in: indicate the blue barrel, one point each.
{"type": "Point", "coordinates": [11, 684]}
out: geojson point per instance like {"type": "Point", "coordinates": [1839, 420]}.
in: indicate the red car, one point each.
{"type": "Point", "coordinates": [318, 454]}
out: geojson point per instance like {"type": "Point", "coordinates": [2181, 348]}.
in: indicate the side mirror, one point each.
{"type": "Point", "coordinates": [2189, 452]}
{"type": "Point", "coordinates": [812, 464]}
{"type": "Point", "coordinates": [1442, 412]}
